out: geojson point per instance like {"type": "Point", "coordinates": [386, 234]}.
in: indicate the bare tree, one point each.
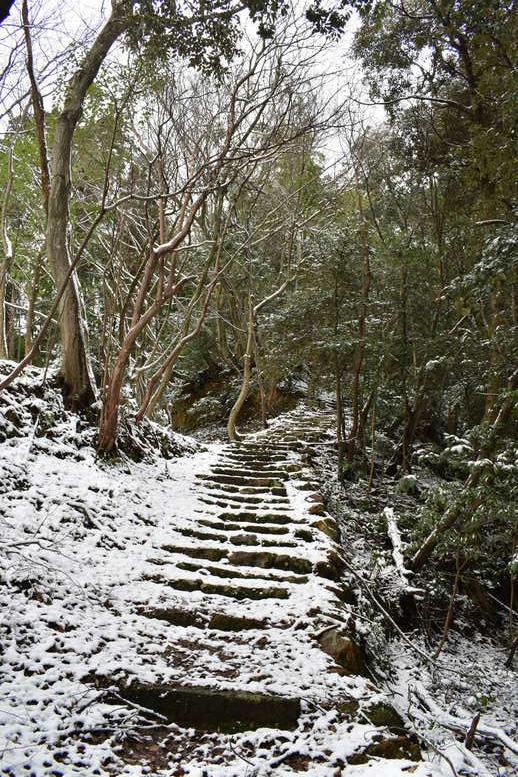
{"type": "Point", "coordinates": [253, 311]}
{"type": "Point", "coordinates": [217, 133]}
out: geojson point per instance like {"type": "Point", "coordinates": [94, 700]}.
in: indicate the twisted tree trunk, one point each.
{"type": "Point", "coordinates": [233, 434]}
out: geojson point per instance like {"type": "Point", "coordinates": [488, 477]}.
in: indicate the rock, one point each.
{"type": "Point", "coordinates": [316, 509]}
{"type": "Point", "coordinates": [332, 568]}
{"type": "Point", "coordinates": [408, 485]}
{"type": "Point", "coordinates": [306, 486]}
{"type": "Point", "coordinates": [344, 593]}
{"type": "Point", "coordinates": [348, 707]}
{"type": "Point", "coordinates": [329, 527]}
{"type": "Point", "coordinates": [344, 651]}
{"type": "Point", "coordinates": [397, 747]}
{"type": "Point", "coordinates": [14, 417]}
{"type": "Point", "coordinates": [357, 759]}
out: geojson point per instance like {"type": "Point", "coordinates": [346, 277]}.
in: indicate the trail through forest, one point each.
{"type": "Point", "coordinates": [175, 617]}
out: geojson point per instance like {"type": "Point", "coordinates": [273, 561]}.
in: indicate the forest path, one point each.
{"type": "Point", "coordinates": [261, 616]}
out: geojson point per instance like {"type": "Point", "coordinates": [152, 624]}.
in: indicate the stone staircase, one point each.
{"type": "Point", "coordinates": [259, 621]}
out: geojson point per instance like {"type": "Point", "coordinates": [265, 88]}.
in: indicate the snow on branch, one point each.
{"type": "Point", "coordinates": [397, 551]}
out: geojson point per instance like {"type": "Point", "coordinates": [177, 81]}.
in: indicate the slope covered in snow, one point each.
{"type": "Point", "coordinates": [186, 615]}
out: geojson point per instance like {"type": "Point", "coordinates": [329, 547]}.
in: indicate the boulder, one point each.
{"type": "Point", "coordinates": [344, 651]}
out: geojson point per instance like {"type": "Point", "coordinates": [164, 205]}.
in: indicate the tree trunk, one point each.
{"type": "Point", "coordinates": [495, 358]}
{"type": "Point", "coordinates": [110, 413]}
{"type": "Point", "coordinates": [37, 107]}
{"type": "Point", "coordinates": [76, 373]}
{"type": "Point", "coordinates": [245, 385]}
{"type": "Point", "coordinates": [5, 266]}
{"type": "Point", "coordinates": [339, 422]}
{"type": "Point", "coordinates": [362, 318]}
{"type": "Point", "coordinates": [252, 314]}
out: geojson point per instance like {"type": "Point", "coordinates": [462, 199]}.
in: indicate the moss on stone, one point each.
{"type": "Point", "coordinates": [348, 707]}
{"type": "Point", "coordinates": [383, 714]}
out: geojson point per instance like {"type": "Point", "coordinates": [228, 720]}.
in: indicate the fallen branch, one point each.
{"type": "Point", "coordinates": [462, 725]}
{"type": "Point", "coordinates": [138, 707]}
{"type": "Point", "coordinates": [397, 552]}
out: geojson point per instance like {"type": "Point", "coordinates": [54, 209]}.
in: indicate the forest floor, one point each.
{"type": "Point", "coordinates": [124, 582]}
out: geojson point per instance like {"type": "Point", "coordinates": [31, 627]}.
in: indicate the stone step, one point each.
{"type": "Point", "coordinates": [212, 554]}
{"type": "Point", "coordinates": [261, 529]}
{"type": "Point", "coordinates": [231, 573]}
{"type": "Point", "coordinates": [264, 447]}
{"type": "Point", "coordinates": [188, 531]}
{"type": "Point", "coordinates": [270, 560]}
{"type": "Point", "coordinates": [259, 518]}
{"type": "Point", "coordinates": [225, 489]}
{"type": "Point", "coordinates": [238, 592]}
{"type": "Point", "coordinates": [238, 539]}
{"type": "Point", "coordinates": [239, 505]}
{"type": "Point", "coordinates": [218, 621]}
{"type": "Point", "coordinates": [276, 474]}
{"type": "Point", "coordinates": [275, 505]}
{"type": "Point", "coordinates": [253, 466]}
{"type": "Point", "coordinates": [221, 621]}
{"type": "Point", "coordinates": [220, 503]}
{"type": "Point", "coordinates": [295, 432]}
{"type": "Point", "coordinates": [242, 480]}
{"type": "Point", "coordinates": [280, 452]}
{"type": "Point", "coordinates": [260, 452]}
{"type": "Point", "coordinates": [215, 710]}
{"type": "Point", "coordinates": [175, 616]}
{"type": "Point", "coordinates": [245, 558]}
{"type": "Point", "coordinates": [257, 469]}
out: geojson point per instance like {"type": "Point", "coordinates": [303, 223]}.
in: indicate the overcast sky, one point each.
{"type": "Point", "coordinates": [58, 23]}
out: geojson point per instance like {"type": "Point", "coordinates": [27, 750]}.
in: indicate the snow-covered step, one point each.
{"type": "Point", "coordinates": [238, 505]}
{"type": "Point", "coordinates": [238, 479]}
{"type": "Point", "coordinates": [231, 590]}
{"type": "Point", "coordinates": [225, 489]}
{"type": "Point", "coordinates": [258, 517]}
{"type": "Point", "coordinates": [232, 573]}
{"type": "Point", "coordinates": [245, 472]}
{"type": "Point", "coordinates": [237, 539]}
{"type": "Point", "coordinates": [247, 527]}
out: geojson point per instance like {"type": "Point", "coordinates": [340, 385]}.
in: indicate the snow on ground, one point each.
{"type": "Point", "coordinates": [77, 536]}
